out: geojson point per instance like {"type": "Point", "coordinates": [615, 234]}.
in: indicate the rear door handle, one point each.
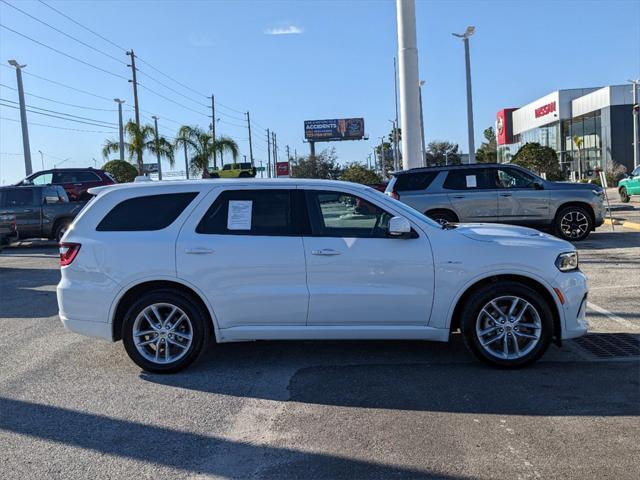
{"type": "Point", "coordinates": [505, 194]}
{"type": "Point", "coordinates": [198, 251]}
{"type": "Point", "coordinates": [326, 252]}
{"type": "Point", "coordinates": [458, 196]}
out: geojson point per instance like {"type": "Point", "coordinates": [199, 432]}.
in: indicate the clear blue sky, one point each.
{"type": "Point", "coordinates": [339, 64]}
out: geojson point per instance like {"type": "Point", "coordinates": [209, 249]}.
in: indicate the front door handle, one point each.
{"type": "Point", "coordinates": [198, 251]}
{"type": "Point", "coordinates": [326, 252]}
{"type": "Point", "coordinates": [505, 194]}
{"type": "Point", "coordinates": [458, 196]}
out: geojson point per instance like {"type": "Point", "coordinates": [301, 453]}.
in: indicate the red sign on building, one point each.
{"type": "Point", "coordinates": [504, 127]}
{"type": "Point", "coordinates": [282, 169]}
{"type": "Point", "coordinates": [545, 109]}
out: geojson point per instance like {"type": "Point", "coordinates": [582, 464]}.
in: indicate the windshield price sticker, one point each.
{"type": "Point", "coordinates": [239, 215]}
{"type": "Point", "coordinates": [471, 181]}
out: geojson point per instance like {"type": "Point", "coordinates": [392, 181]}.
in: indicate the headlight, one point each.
{"type": "Point", "coordinates": [567, 261]}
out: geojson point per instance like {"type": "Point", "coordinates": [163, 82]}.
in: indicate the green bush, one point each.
{"type": "Point", "coordinates": [122, 171]}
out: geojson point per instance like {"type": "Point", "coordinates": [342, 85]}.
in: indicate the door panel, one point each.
{"type": "Point", "coordinates": [519, 201]}
{"type": "Point", "coordinates": [250, 277]}
{"type": "Point", "coordinates": [365, 278]}
{"type": "Point", "coordinates": [473, 194]}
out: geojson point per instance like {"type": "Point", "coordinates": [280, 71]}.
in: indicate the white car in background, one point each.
{"type": "Point", "coordinates": [168, 266]}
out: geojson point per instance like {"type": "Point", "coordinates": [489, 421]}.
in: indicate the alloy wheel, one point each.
{"type": "Point", "coordinates": [162, 333]}
{"type": "Point", "coordinates": [508, 327]}
{"type": "Point", "coordinates": [574, 224]}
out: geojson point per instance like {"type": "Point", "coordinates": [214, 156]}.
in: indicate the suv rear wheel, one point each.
{"type": "Point", "coordinates": [442, 216]}
{"type": "Point", "coordinates": [61, 229]}
{"type": "Point", "coordinates": [507, 324]}
{"type": "Point", "coordinates": [164, 331]}
{"type": "Point", "coordinates": [573, 223]}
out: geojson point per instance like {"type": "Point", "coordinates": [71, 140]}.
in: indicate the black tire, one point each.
{"type": "Point", "coordinates": [60, 229]}
{"type": "Point", "coordinates": [199, 323]}
{"type": "Point", "coordinates": [480, 298]}
{"type": "Point", "coordinates": [442, 216]}
{"type": "Point", "coordinates": [624, 196]}
{"type": "Point", "coordinates": [573, 223]}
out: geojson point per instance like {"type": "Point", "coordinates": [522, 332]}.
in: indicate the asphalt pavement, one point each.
{"type": "Point", "coordinates": [73, 407]}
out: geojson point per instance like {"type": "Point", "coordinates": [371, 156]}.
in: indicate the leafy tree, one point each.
{"type": "Point", "coordinates": [120, 170]}
{"type": "Point", "coordinates": [358, 173]}
{"type": "Point", "coordinates": [199, 146]}
{"type": "Point", "coordinates": [441, 152]}
{"type": "Point", "coordinates": [488, 151]}
{"type": "Point", "coordinates": [387, 157]}
{"type": "Point", "coordinates": [539, 159]}
{"type": "Point", "coordinates": [325, 166]}
{"type": "Point", "coordinates": [139, 139]}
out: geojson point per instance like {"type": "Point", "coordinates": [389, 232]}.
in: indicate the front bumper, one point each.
{"type": "Point", "coordinates": [574, 288]}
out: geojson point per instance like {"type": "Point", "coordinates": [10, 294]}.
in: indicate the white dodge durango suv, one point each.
{"type": "Point", "coordinates": [168, 266]}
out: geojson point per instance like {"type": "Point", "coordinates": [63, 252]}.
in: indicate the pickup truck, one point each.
{"type": "Point", "coordinates": [39, 211]}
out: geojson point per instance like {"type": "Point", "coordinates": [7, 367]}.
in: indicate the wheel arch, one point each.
{"type": "Point", "coordinates": [584, 205]}
{"type": "Point", "coordinates": [450, 211]}
{"type": "Point", "coordinates": [56, 224]}
{"type": "Point", "coordinates": [528, 281]}
{"type": "Point", "coordinates": [131, 293]}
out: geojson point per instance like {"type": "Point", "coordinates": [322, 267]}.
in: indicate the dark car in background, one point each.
{"type": "Point", "coordinates": [75, 181]}
{"type": "Point", "coordinates": [501, 193]}
{"type": "Point", "coordinates": [38, 211]}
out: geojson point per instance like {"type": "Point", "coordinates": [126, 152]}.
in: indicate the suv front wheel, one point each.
{"type": "Point", "coordinates": [573, 223]}
{"type": "Point", "coordinates": [164, 331]}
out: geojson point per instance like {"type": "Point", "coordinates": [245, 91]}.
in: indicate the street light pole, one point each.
{"type": "Point", "coordinates": [121, 144]}
{"type": "Point", "coordinates": [635, 107]}
{"type": "Point", "coordinates": [23, 118]}
{"type": "Point", "coordinates": [41, 158]}
{"type": "Point", "coordinates": [465, 38]}
{"type": "Point", "coordinates": [155, 122]}
{"type": "Point", "coordinates": [424, 151]}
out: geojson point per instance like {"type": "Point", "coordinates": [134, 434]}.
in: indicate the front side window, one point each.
{"type": "Point", "coordinates": [250, 212]}
{"type": "Point", "coordinates": [75, 177]}
{"type": "Point", "coordinates": [149, 213]}
{"type": "Point", "coordinates": [51, 195]}
{"type": "Point", "coordinates": [512, 178]}
{"type": "Point", "coordinates": [43, 179]}
{"type": "Point", "coordinates": [472, 179]}
{"type": "Point", "coordinates": [338, 214]}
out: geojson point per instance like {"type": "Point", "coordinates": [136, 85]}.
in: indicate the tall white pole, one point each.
{"type": "Point", "coordinates": [424, 151]}
{"type": "Point", "coordinates": [467, 62]}
{"type": "Point", "coordinates": [636, 147]}
{"type": "Point", "coordinates": [409, 87]}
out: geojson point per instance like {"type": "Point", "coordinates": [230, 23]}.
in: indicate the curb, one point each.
{"type": "Point", "coordinates": [623, 223]}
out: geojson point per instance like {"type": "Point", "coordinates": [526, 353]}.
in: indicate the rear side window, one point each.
{"type": "Point", "coordinates": [472, 179]}
{"type": "Point", "coordinates": [414, 181]}
{"type": "Point", "coordinates": [250, 212]}
{"type": "Point", "coordinates": [75, 177]}
{"type": "Point", "coordinates": [153, 212]}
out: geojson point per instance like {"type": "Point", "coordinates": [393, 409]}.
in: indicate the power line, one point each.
{"type": "Point", "coordinates": [61, 113]}
{"type": "Point", "coordinates": [59, 102]}
{"type": "Point", "coordinates": [63, 53]}
{"type": "Point", "coordinates": [169, 88]}
{"type": "Point", "coordinates": [59, 117]}
{"type": "Point", "coordinates": [171, 100]}
{"type": "Point", "coordinates": [64, 33]}
{"type": "Point", "coordinates": [57, 128]}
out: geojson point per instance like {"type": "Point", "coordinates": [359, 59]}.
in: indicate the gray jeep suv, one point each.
{"type": "Point", "coordinates": [500, 193]}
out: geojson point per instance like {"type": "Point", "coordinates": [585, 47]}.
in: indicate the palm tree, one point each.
{"type": "Point", "coordinates": [140, 138]}
{"type": "Point", "coordinates": [201, 145]}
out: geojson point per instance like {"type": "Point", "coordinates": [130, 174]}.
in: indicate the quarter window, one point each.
{"type": "Point", "coordinates": [472, 179]}
{"type": "Point", "coordinates": [338, 214]}
{"type": "Point", "coordinates": [152, 212]}
{"type": "Point", "coordinates": [250, 212]}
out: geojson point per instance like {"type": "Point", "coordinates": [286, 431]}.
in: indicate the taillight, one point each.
{"type": "Point", "coordinates": [68, 252]}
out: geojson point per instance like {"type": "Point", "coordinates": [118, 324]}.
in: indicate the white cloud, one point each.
{"type": "Point", "coordinates": [200, 40]}
{"type": "Point", "coordinates": [290, 30]}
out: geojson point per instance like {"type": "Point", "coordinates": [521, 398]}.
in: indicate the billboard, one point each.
{"type": "Point", "coordinates": [334, 130]}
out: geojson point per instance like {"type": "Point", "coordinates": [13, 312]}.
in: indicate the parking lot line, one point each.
{"type": "Point", "coordinates": [612, 316]}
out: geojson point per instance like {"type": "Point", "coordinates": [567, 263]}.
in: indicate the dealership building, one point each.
{"type": "Point", "coordinates": [589, 128]}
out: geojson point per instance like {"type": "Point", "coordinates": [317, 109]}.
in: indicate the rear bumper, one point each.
{"type": "Point", "coordinates": [91, 329]}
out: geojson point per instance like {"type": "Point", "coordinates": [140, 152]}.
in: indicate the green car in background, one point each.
{"type": "Point", "coordinates": [629, 186]}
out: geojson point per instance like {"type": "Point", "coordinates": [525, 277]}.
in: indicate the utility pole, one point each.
{"type": "Point", "coordinates": [269, 154]}
{"type": "Point", "coordinates": [275, 147]}
{"type": "Point", "coordinates": [467, 61]}
{"type": "Point", "coordinates": [394, 136]}
{"type": "Point", "coordinates": [382, 168]}
{"type": "Point", "coordinates": [213, 130]}
{"type": "Point", "coordinates": [23, 118]}
{"type": "Point", "coordinates": [375, 159]}
{"type": "Point", "coordinates": [636, 140]}
{"type": "Point", "coordinates": [136, 107]}
{"type": "Point", "coordinates": [250, 144]}
{"type": "Point", "coordinates": [424, 150]}
{"type": "Point", "coordinates": [288, 156]}
{"type": "Point", "coordinates": [121, 144]}
{"type": "Point", "coordinates": [369, 161]}
{"type": "Point", "coordinates": [155, 121]}
{"type": "Point", "coordinates": [408, 79]}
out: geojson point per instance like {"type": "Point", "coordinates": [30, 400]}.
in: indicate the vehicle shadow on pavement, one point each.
{"type": "Point", "coordinates": [28, 292]}
{"type": "Point", "coordinates": [605, 240]}
{"type": "Point", "coordinates": [188, 451]}
{"type": "Point", "coordinates": [396, 376]}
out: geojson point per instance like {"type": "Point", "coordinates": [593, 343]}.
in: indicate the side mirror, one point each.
{"type": "Point", "coordinates": [538, 186]}
{"type": "Point", "coordinates": [399, 227]}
